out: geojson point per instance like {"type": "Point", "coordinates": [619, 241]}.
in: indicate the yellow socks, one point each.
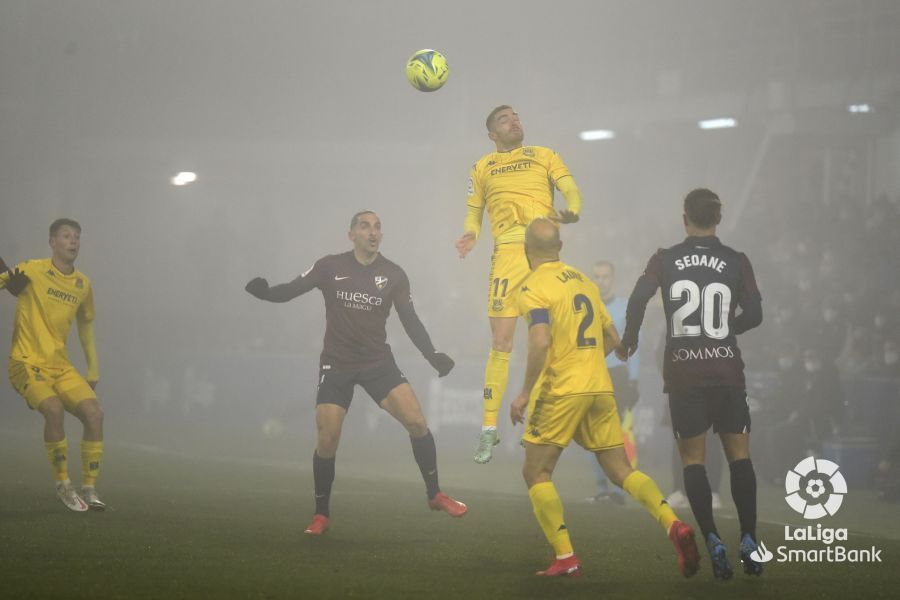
{"type": "Point", "coordinates": [91, 453]}
{"type": "Point", "coordinates": [58, 455]}
{"type": "Point", "coordinates": [644, 490]}
{"type": "Point", "coordinates": [496, 375]}
{"type": "Point", "coordinates": [548, 509]}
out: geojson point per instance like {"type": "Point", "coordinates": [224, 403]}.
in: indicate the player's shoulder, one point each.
{"type": "Point", "coordinates": [387, 263]}
{"type": "Point", "coordinates": [36, 263]}
{"type": "Point", "coordinates": [84, 280]}
{"type": "Point", "coordinates": [538, 150]}
{"type": "Point", "coordinates": [333, 259]}
{"type": "Point", "coordinates": [726, 249]}
{"type": "Point", "coordinates": [482, 163]}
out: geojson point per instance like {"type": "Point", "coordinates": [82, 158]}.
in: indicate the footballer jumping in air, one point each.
{"type": "Point", "coordinates": [359, 288]}
{"type": "Point", "coordinates": [515, 184]}
{"type": "Point", "coordinates": [51, 293]}
{"type": "Point", "coordinates": [568, 393]}
{"type": "Point", "coordinates": [703, 282]}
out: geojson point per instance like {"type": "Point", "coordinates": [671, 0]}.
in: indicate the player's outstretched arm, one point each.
{"type": "Point", "coordinates": [13, 281]}
{"type": "Point", "coordinates": [414, 328]}
{"type": "Point", "coordinates": [284, 292]}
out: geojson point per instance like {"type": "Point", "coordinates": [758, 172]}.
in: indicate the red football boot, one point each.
{"type": "Point", "coordinates": [562, 567]}
{"type": "Point", "coordinates": [318, 526]}
{"type": "Point", "coordinates": [682, 537]}
{"type": "Point", "coordinates": [442, 501]}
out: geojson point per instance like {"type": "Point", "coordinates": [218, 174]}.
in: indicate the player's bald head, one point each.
{"type": "Point", "coordinates": [542, 239]}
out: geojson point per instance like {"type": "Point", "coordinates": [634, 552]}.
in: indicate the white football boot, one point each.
{"type": "Point", "coordinates": [65, 491]}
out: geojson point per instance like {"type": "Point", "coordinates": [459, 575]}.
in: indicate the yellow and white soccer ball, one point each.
{"type": "Point", "coordinates": [427, 70]}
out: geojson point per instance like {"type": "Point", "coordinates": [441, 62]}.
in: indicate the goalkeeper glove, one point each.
{"type": "Point", "coordinates": [442, 363]}
{"type": "Point", "coordinates": [258, 287]}
{"type": "Point", "coordinates": [17, 282]}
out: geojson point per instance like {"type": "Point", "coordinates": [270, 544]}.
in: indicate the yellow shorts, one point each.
{"type": "Point", "coordinates": [509, 268]}
{"type": "Point", "coordinates": [590, 419]}
{"type": "Point", "coordinates": [36, 384]}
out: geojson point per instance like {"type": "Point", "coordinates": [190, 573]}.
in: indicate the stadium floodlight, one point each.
{"type": "Point", "coordinates": [859, 108]}
{"type": "Point", "coordinates": [597, 134]}
{"type": "Point", "coordinates": [184, 178]}
{"type": "Point", "coordinates": [717, 123]}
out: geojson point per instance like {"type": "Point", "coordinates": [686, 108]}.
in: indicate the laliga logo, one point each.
{"type": "Point", "coordinates": [815, 488]}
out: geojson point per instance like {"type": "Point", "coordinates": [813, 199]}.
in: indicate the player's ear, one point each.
{"type": "Point", "coordinates": [685, 219]}
{"type": "Point", "coordinates": [492, 136]}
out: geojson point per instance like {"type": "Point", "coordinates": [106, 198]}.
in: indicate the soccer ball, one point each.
{"type": "Point", "coordinates": [427, 70]}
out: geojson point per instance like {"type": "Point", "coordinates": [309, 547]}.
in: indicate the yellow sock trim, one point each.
{"type": "Point", "coordinates": [548, 509]}
{"type": "Point", "coordinates": [644, 490]}
{"type": "Point", "coordinates": [496, 376]}
{"type": "Point", "coordinates": [91, 455]}
{"type": "Point", "coordinates": [58, 455]}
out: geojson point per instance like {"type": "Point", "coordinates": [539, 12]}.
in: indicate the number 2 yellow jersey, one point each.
{"type": "Point", "coordinates": [515, 187]}
{"type": "Point", "coordinates": [44, 313]}
{"type": "Point", "coordinates": [564, 297]}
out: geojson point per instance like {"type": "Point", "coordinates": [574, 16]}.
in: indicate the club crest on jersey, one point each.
{"type": "Point", "coordinates": [79, 283]}
{"type": "Point", "coordinates": [380, 282]}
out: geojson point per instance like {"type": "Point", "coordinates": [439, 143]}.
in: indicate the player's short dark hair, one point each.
{"type": "Point", "coordinates": [490, 118]}
{"type": "Point", "coordinates": [605, 263]}
{"type": "Point", "coordinates": [57, 224]}
{"type": "Point", "coordinates": [355, 220]}
{"type": "Point", "coordinates": [703, 208]}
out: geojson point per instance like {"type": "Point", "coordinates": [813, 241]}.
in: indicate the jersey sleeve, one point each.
{"type": "Point", "coordinates": [402, 300]}
{"type": "Point", "coordinates": [644, 289]}
{"type": "Point", "coordinates": [85, 317]}
{"type": "Point", "coordinates": [475, 203]}
{"type": "Point", "coordinates": [748, 288]}
{"type": "Point", "coordinates": [86, 312]}
{"type": "Point", "coordinates": [556, 168]}
{"type": "Point", "coordinates": [310, 279]}
{"type": "Point", "coordinates": [533, 304]}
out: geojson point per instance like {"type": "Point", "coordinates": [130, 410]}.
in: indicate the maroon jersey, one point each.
{"type": "Point", "coordinates": [703, 283]}
{"type": "Point", "coordinates": [358, 300]}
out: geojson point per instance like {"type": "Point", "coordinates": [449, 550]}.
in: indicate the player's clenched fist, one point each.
{"type": "Point", "coordinates": [442, 363]}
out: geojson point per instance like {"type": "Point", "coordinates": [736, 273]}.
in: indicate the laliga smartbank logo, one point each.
{"type": "Point", "coordinates": [815, 488]}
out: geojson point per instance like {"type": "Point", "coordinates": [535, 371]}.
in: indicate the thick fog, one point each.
{"type": "Point", "coordinates": [295, 115]}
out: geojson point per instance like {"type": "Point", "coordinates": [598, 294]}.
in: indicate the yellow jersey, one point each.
{"type": "Point", "coordinates": [44, 313]}
{"type": "Point", "coordinates": [570, 303]}
{"type": "Point", "coordinates": [515, 187]}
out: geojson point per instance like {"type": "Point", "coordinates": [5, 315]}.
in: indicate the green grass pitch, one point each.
{"type": "Point", "coordinates": [208, 526]}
